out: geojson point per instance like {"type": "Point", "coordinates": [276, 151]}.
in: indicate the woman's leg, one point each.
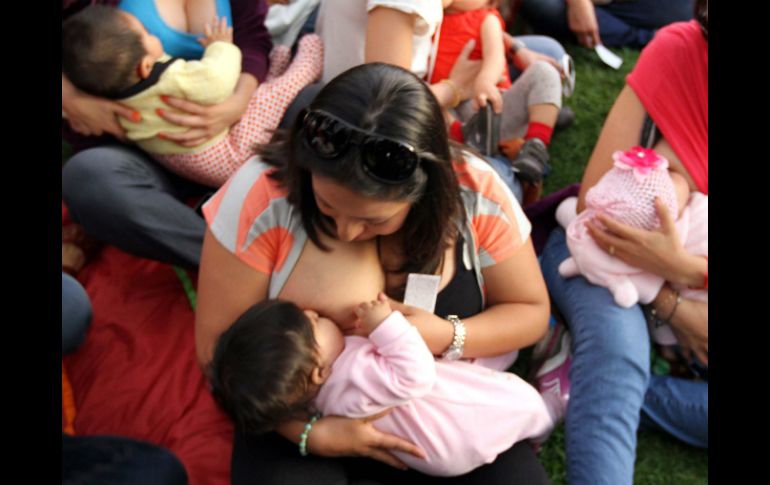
{"type": "Point", "coordinates": [113, 460]}
{"type": "Point", "coordinates": [679, 407]}
{"type": "Point", "coordinates": [272, 460]}
{"type": "Point", "coordinates": [516, 466]}
{"type": "Point", "coordinates": [123, 198]}
{"type": "Point", "coordinates": [608, 376]}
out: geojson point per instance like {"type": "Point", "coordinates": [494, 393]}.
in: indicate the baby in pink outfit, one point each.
{"type": "Point", "coordinates": [627, 193]}
{"type": "Point", "coordinates": [278, 363]}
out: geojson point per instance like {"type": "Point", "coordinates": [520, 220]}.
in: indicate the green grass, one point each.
{"type": "Point", "coordinates": [660, 458]}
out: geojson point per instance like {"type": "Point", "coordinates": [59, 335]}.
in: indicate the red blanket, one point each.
{"type": "Point", "coordinates": [136, 374]}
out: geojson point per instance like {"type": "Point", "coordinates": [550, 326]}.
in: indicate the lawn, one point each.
{"type": "Point", "coordinates": [660, 459]}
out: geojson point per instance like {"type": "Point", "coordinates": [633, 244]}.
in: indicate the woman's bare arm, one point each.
{"type": "Point", "coordinates": [226, 288]}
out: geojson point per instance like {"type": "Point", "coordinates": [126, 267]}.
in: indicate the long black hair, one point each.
{"type": "Point", "coordinates": [394, 103]}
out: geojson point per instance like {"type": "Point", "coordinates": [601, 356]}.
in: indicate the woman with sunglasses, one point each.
{"type": "Point", "coordinates": [363, 190]}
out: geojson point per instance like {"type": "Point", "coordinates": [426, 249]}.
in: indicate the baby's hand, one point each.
{"type": "Point", "coordinates": [484, 92]}
{"type": "Point", "coordinates": [217, 30]}
{"type": "Point", "coordinates": [371, 314]}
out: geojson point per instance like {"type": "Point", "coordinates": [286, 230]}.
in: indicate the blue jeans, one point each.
{"type": "Point", "coordinates": [542, 45]}
{"type": "Point", "coordinates": [679, 407]}
{"type": "Point", "coordinates": [629, 23]}
{"type": "Point", "coordinates": [608, 377]}
{"type": "Point", "coordinates": [75, 313]}
{"type": "Point", "coordinates": [504, 169]}
{"type": "Point", "coordinates": [118, 461]}
{"type": "Point", "coordinates": [611, 382]}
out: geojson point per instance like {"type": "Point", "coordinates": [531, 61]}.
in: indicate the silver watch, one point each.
{"type": "Point", "coordinates": [455, 350]}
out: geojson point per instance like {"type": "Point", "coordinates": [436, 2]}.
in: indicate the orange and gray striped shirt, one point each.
{"type": "Point", "coordinates": [252, 218]}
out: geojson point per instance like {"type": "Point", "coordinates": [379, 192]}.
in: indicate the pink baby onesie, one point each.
{"type": "Point", "coordinates": [462, 415]}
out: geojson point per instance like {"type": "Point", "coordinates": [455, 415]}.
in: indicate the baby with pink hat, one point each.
{"type": "Point", "coordinates": [626, 193]}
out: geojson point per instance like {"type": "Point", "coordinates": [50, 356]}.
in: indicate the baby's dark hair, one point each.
{"type": "Point", "coordinates": [260, 373]}
{"type": "Point", "coordinates": [100, 52]}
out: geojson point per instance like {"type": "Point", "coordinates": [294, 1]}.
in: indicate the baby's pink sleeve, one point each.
{"type": "Point", "coordinates": [394, 367]}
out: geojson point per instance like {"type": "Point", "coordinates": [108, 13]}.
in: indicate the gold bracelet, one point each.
{"type": "Point", "coordinates": [455, 91]}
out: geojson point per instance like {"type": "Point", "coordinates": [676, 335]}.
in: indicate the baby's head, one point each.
{"type": "Point", "coordinates": [106, 50]}
{"type": "Point", "coordinates": [627, 192]}
{"type": "Point", "coordinates": [269, 364]}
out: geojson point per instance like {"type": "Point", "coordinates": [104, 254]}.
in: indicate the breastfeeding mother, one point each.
{"type": "Point", "coordinates": [363, 190]}
{"type": "Point", "coordinates": [116, 192]}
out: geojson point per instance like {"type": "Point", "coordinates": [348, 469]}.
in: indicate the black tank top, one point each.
{"type": "Point", "coordinates": [462, 296]}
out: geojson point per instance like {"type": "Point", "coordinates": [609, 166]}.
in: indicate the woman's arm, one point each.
{"type": "Point", "coordinates": [689, 321]}
{"type": "Point", "coordinates": [389, 36]}
{"type": "Point", "coordinates": [516, 315]}
{"type": "Point", "coordinates": [226, 288]}
{"type": "Point", "coordinates": [92, 116]}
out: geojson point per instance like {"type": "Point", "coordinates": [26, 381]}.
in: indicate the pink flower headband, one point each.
{"type": "Point", "coordinates": [641, 160]}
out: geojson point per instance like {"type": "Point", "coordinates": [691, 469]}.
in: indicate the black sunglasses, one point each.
{"type": "Point", "coordinates": [384, 159]}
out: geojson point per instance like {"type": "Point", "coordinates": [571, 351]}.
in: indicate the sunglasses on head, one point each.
{"type": "Point", "coordinates": [382, 158]}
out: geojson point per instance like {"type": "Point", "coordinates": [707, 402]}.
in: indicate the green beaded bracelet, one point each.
{"type": "Point", "coordinates": [305, 433]}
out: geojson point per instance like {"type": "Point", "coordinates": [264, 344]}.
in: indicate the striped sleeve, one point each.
{"type": "Point", "coordinates": [250, 217]}
{"type": "Point", "coordinates": [497, 220]}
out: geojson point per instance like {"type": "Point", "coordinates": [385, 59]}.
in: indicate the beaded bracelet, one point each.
{"type": "Point", "coordinates": [305, 433]}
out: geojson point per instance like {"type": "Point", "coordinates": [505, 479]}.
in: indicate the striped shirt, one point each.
{"type": "Point", "coordinates": [252, 218]}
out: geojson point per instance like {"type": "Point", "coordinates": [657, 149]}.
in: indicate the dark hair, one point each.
{"type": "Point", "coordinates": [260, 373]}
{"type": "Point", "coordinates": [391, 102]}
{"type": "Point", "coordinates": [100, 52]}
{"type": "Point", "coordinates": [702, 16]}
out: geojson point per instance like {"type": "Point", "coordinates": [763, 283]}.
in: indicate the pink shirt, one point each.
{"type": "Point", "coordinates": [462, 415]}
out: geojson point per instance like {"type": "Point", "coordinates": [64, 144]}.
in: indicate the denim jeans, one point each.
{"type": "Point", "coordinates": [610, 380]}
{"type": "Point", "coordinates": [75, 313]}
{"type": "Point", "coordinates": [542, 45]}
{"type": "Point", "coordinates": [679, 407]}
{"type": "Point", "coordinates": [504, 169]}
{"type": "Point", "coordinates": [629, 23]}
{"type": "Point", "coordinates": [112, 460]}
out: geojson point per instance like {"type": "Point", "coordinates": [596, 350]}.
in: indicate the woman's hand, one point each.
{"type": "Point", "coordinates": [435, 331]}
{"type": "Point", "coordinates": [207, 121]}
{"type": "Point", "coordinates": [465, 71]}
{"type": "Point", "coordinates": [659, 252]}
{"type": "Point", "coordinates": [337, 436]}
{"type": "Point", "coordinates": [92, 116]}
{"type": "Point", "coordinates": [581, 16]}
